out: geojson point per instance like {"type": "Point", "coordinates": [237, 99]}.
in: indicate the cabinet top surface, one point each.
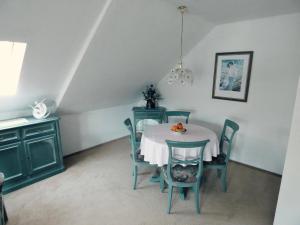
{"type": "Point", "coordinates": [144, 109]}
{"type": "Point", "coordinates": [24, 121]}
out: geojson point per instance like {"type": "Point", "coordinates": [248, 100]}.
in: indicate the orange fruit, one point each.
{"type": "Point", "coordinates": [180, 126]}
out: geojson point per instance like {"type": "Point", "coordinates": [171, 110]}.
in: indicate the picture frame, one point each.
{"type": "Point", "coordinates": [232, 74]}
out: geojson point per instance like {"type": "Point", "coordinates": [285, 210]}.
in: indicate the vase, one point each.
{"type": "Point", "coordinates": [150, 104]}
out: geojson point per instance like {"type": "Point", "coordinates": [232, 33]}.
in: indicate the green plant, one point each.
{"type": "Point", "coordinates": [151, 93]}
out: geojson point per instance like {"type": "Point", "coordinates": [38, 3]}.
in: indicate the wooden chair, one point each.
{"type": "Point", "coordinates": [3, 214]}
{"type": "Point", "coordinates": [188, 176]}
{"type": "Point", "coordinates": [137, 158]}
{"type": "Point", "coordinates": [221, 162]}
{"type": "Point", "coordinates": [179, 114]}
{"type": "Point", "coordinates": [141, 114]}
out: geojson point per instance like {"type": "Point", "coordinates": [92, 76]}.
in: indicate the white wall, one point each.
{"type": "Point", "coordinates": [88, 129]}
{"type": "Point", "coordinates": [15, 114]}
{"type": "Point", "coordinates": [265, 119]}
{"type": "Point", "coordinates": [288, 210]}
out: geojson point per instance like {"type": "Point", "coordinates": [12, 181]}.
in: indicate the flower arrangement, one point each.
{"type": "Point", "coordinates": [151, 96]}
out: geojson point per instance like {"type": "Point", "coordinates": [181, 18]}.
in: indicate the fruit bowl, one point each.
{"type": "Point", "coordinates": [180, 131]}
{"type": "Point", "coordinates": [178, 128]}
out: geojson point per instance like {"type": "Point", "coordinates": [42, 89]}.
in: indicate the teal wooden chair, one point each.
{"type": "Point", "coordinates": [140, 114]}
{"type": "Point", "coordinates": [137, 158]}
{"type": "Point", "coordinates": [177, 114]}
{"type": "Point", "coordinates": [220, 163]}
{"type": "Point", "coordinates": [3, 214]}
{"type": "Point", "coordinates": [188, 176]}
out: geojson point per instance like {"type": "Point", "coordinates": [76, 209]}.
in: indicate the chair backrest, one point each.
{"type": "Point", "coordinates": [140, 125]}
{"type": "Point", "coordinates": [129, 126]}
{"type": "Point", "coordinates": [198, 146]}
{"type": "Point", "coordinates": [178, 113]}
{"type": "Point", "coordinates": [229, 130]}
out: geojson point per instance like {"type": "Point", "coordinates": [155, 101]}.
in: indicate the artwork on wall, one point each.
{"type": "Point", "coordinates": [232, 75]}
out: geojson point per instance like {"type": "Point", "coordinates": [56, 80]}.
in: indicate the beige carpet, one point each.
{"type": "Point", "coordinates": [96, 189]}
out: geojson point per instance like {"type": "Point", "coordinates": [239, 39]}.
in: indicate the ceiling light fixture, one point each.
{"type": "Point", "coordinates": [179, 74]}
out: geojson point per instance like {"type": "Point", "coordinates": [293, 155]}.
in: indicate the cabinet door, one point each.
{"type": "Point", "coordinates": [42, 153]}
{"type": "Point", "coordinates": [12, 162]}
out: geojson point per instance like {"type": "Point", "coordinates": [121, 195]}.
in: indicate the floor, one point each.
{"type": "Point", "coordinates": [96, 189]}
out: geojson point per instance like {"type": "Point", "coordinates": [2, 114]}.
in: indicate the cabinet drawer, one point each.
{"type": "Point", "coordinates": [37, 130]}
{"type": "Point", "coordinates": [146, 115]}
{"type": "Point", "coordinates": [9, 136]}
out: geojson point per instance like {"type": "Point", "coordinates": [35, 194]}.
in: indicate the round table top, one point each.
{"type": "Point", "coordinates": [162, 132]}
{"type": "Point", "coordinates": [155, 149]}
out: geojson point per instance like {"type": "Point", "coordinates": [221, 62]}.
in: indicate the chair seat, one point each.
{"type": "Point", "coordinates": [179, 173]}
{"type": "Point", "coordinates": [219, 160]}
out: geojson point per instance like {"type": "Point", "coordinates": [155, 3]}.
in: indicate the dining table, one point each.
{"type": "Point", "coordinates": [155, 150]}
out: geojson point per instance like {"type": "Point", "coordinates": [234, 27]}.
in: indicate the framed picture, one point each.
{"type": "Point", "coordinates": [232, 75]}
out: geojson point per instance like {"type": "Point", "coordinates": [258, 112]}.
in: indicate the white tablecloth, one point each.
{"type": "Point", "coordinates": [155, 149]}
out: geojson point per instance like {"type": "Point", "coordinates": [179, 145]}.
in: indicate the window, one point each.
{"type": "Point", "coordinates": [11, 60]}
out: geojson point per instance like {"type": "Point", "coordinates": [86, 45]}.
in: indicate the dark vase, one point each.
{"type": "Point", "coordinates": [150, 104]}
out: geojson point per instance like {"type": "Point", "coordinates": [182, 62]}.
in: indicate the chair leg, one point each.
{"type": "Point", "coordinates": [5, 215]}
{"type": "Point", "coordinates": [135, 174]}
{"type": "Point", "coordinates": [162, 182]}
{"type": "Point", "coordinates": [170, 192]}
{"type": "Point", "coordinates": [132, 169]}
{"type": "Point", "coordinates": [224, 180]}
{"type": "Point", "coordinates": [197, 197]}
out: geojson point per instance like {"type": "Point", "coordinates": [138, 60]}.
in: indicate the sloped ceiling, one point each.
{"type": "Point", "coordinates": [95, 54]}
{"type": "Point", "coordinates": [54, 31]}
{"type": "Point", "coordinates": [136, 43]}
{"type": "Point", "coordinates": [226, 11]}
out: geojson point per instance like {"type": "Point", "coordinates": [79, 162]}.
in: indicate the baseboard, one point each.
{"type": "Point", "coordinates": [90, 148]}
{"type": "Point", "coordinates": [259, 169]}
{"type": "Point", "coordinates": [87, 149]}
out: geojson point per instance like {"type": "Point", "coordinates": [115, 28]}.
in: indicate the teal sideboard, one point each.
{"type": "Point", "coordinates": [30, 152]}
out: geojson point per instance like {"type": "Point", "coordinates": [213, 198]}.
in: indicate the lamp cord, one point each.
{"type": "Point", "coordinates": [181, 39]}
